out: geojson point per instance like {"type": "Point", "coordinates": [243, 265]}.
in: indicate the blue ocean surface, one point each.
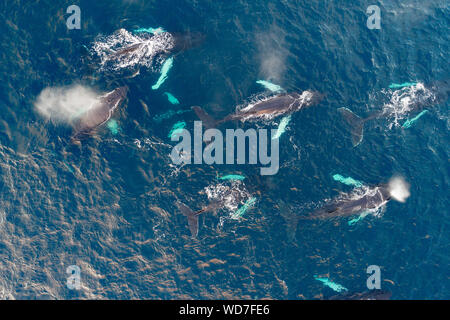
{"type": "Point", "coordinates": [107, 204]}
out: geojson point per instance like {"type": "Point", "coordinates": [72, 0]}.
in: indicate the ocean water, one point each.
{"type": "Point", "coordinates": [107, 204]}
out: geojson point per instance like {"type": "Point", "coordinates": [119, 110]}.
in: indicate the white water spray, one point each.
{"type": "Point", "coordinates": [64, 104]}
{"type": "Point", "coordinates": [402, 102]}
{"type": "Point", "coordinates": [399, 189]}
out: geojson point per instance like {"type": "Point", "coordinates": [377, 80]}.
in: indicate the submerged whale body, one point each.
{"type": "Point", "coordinates": [186, 41]}
{"type": "Point", "coordinates": [99, 113]}
{"type": "Point", "coordinates": [376, 294]}
{"type": "Point", "coordinates": [284, 103]}
{"type": "Point", "coordinates": [364, 200]}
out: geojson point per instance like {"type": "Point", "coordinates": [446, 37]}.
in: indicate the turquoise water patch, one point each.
{"type": "Point", "coordinates": [168, 64]}
{"type": "Point", "coordinates": [349, 181]}
{"type": "Point", "coordinates": [150, 30]}
{"type": "Point", "coordinates": [177, 128]}
{"type": "Point", "coordinates": [232, 177]}
{"type": "Point", "coordinates": [333, 285]}
{"type": "Point", "coordinates": [68, 166]}
{"type": "Point", "coordinates": [171, 98]}
{"type": "Point", "coordinates": [409, 123]}
{"type": "Point", "coordinates": [269, 85]}
{"type": "Point", "coordinates": [240, 212]}
{"type": "Point", "coordinates": [361, 216]}
{"type": "Point", "coordinates": [113, 126]}
{"type": "Point", "coordinates": [282, 127]}
{"type": "Point", "coordinates": [402, 85]}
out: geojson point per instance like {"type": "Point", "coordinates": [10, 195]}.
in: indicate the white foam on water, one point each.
{"type": "Point", "coordinates": [233, 194]}
{"type": "Point", "coordinates": [64, 104]}
{"type": "Point", "coordinates": [362, 192]}
{"type": "Point", "coordinates": [253, 100]}
{"type": "Point", "coordinates": [148, 53]}
{"type": "Point", "coordinates": [402, 102]}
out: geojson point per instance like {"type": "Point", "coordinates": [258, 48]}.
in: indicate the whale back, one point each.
{"type": "Point", "coordinates": [286, 102]}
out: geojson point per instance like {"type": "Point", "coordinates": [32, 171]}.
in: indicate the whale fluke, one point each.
{"type": "Point", "coordinates": [356, 123]}
{"type": "Point", "coordinates": [191, 216]}
{"type": "Point", "coordinates": [291, 220]}
{"type": "Point", "coordinates": [208, 121]}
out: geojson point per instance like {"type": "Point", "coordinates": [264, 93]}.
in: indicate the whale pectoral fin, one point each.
{"type": "Point", "coordinates": [356, 123]}
{"type": "Point", "coordinates": [191, 216]}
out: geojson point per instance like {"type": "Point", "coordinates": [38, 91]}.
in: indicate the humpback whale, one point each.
{"type": "Point", "coordinates": [439, 90]}
{"type": "Point", "coordinates": [371, 199]}
{"type": "Point", "coordinates": [123, 51]}
{"type": "Point", "coordinates": [376, 294]}
{"type": "Point", "coordinates": [177, 42]}
{"type": "Point", "coordinates": [220, 197]}
{"type": "Point", "coordinates": [99, 113]}
{"type": "Point", "coordinates": [364, 199]}
{"type": "Point", "coordinates": [283, 103]}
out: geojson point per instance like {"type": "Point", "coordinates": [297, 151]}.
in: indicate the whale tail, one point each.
{"type": "Point", "coordinates": [356, 123]}
{"type": "Point", "coordinates": [291, 220]}
{"type": "Point", "coordinates": [191, 216]}
{"type": "Point", "coordinates": [208, 121]}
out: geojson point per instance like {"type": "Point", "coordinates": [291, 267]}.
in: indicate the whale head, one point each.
{"type": "Point", "coordinates": [114, 98]}
{"type": "Point", "coordinates": [99, 113]}
{"type": "Point", "coordinates": [316, 97]}
{"type": "Point", "coordinates": [307, 98]}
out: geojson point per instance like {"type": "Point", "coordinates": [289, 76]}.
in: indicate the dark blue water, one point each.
{"type": "Point", "coordinates": [107, 204]}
